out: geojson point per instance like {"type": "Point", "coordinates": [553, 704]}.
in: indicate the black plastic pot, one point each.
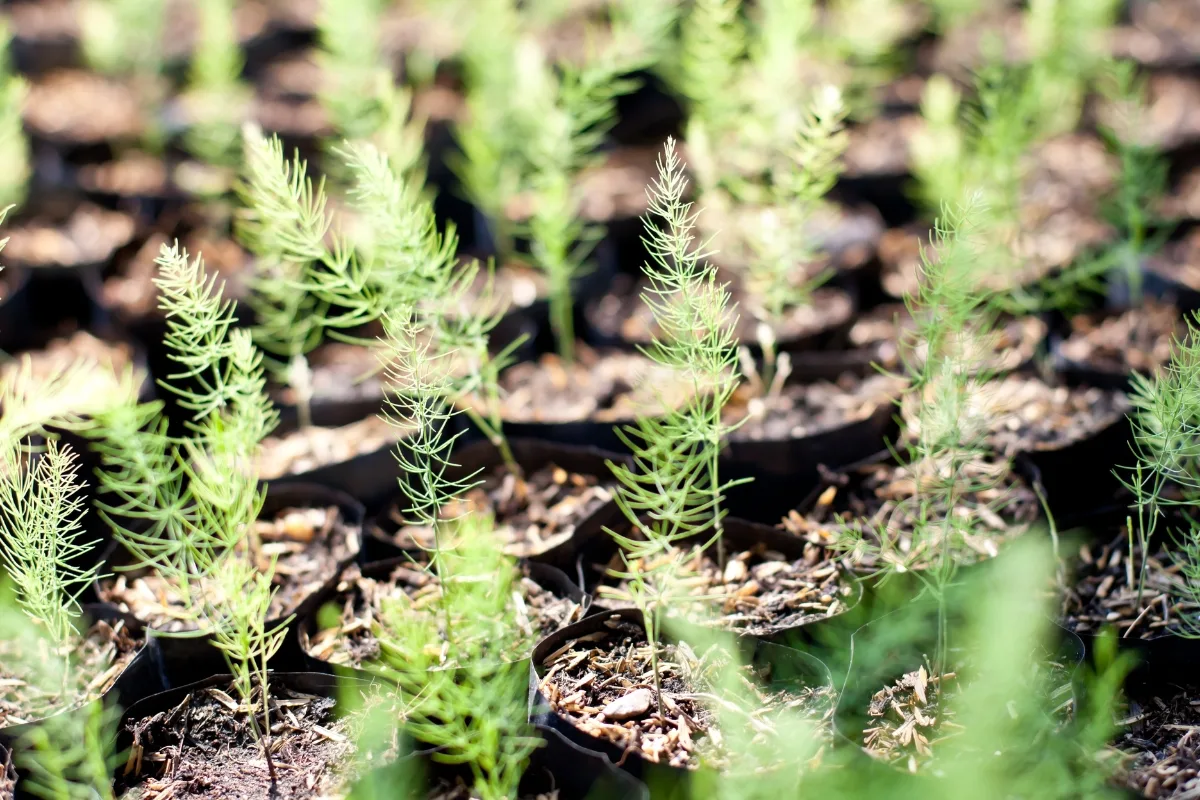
{"type": "Point", "coordinates": [546, 576]}
{"type": "Point", "coordinates": [304, 682]}
{"type": "Point", "coordinates": [17, 327]}
{"type": "Point", "coordinates": [191, 655]}
{"type": "Point", "coordinates": [531, 455]}
{"type": "Point", "coordinates": [144, 675]}
{"type": "Point", "coordinates": [557, 768]}
{"type": "Point", "coordinates": [786, 667]}
{"type": "Point", "coordinates": [783, 472]}
{"type": "Point", "coordinates": [739, 535]}
{"type": "Point", "coordinates": [1079, 478]}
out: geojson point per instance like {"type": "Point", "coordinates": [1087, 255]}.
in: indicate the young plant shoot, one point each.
{"type": "Point", "coordinates": [1163, 479]}
{"type": "Point", "coordinates": [573, 113]}
{"type": "Point", "coordinates": [463, 694]}
{"type": "Point", "coordinates": [433, 316]}
{"type": "Point", "coordinates": [673, 491]}
{"type": "Point", "coordinates": [947, 417]}
{"type": "Point", "coordinates": [67, 756]}
{"type": "Point", "coordinates": [41, 547]}
{"type": "Point", "coordinates": [216, 96]}
{"type": "Point", "coordinates": [300, 277]}
{"type": "Point", "coordinates": [183, 505]}
{"type": "Point", "coordinates": [124, 38]}
{"type": "Point", "coordinates": [14, 145]}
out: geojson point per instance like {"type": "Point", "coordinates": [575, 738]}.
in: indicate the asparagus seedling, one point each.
{"type": "Point", "coordinates": [673, 491]}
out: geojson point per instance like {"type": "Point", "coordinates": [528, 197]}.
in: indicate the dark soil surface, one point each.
{"type": "Point", "coordinates": [310, 545]}
{"type": "Point", "coordinates": [1103, 592]}
{"type": "Point", "coordinates": [531, 515]}
{"type": "Point", "coordinates": [1161, 742]}
{"type": "Point", "coordinates": [205, 748]}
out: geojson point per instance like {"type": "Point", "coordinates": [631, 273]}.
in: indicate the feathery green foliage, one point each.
{"type": "Point", "coordinates": [1067, 41]}
{"type": "Point", "coordinates": [462, 695]}
{"type": "Point", "coordinates": [216, 94]}
{"type": "Point", "coordinates": [1142, 179]}
{"type": "Point", "coordinates": [14, 145]}
{"type": "Point", "coordinates": [181, 504]}
{"type": "Point", "coordinates": [781, 241]}
{"type": "Point", "coordinates": [491, 139]}
{"type": "Point", "coordinates": [435, 315]}
{"type": "Point", "coordinates": [350, 58]}
{"type": "Point", "coordinates": [304, 269]}
{"type": "Point", "coordinates": [124, 36]}
{"type": "Point", "coordinates": [40, 547]}
{"type": "Point", "coordinates": [673, 490]}
{"type": "Point", "coordinates": [949, 419]}
{"type": "Point", "coordinates": [569, 118]}
{"type": "Point", "coordinates": [421, 405]}
{"type": "Point", "coordinates": [1165, 477]}
{"type": "Point", "coordinates": [240, 632]}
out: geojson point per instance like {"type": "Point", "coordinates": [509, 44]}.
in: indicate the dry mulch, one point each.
{"type": "Point", "coordinates": [531, 515]}
{"type": "Point", "coordinates": [309, 544]}
{"type": "Point", "coordinates": [886, 328]}
{"type": "Point", "coordinates": [110, 359]}
{"type": "Point", "coordinates": [760, 592]}
{"type": "Point", "coordinates": [90, 235]}
{"type": "Point", "coordinates": [1161, 742]}
{"type": "Point", "coordinates": [803, 409]}
{"type": "Point", "coordinates": [367, 602]}
{"type": "Point", "coordinates": [906, 719]}
{"type": "Point", "coordinates": [1138, 340]}
{"type": "Point", "coordinates": [83, 107]}
{"type": "Point", "coordinates": [98, 659]}
{"type": "Point", "coordinates": [622, 313]}
{"type": "Point", "coordinates": [603, 684]}
{"type": "Point", "coordinates": [1104, 592]}
{"type": "Point", "coordinates": [312, 447]}
{"type": "Point", "coordinates": [1030, 414]}
{"type": "Point", "coordinates": [882, 507]}
{"type": "Point", "coordinates": [610, 387]}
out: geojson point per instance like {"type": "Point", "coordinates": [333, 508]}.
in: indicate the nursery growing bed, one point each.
{"type": "Point", "coordinates": [111, 160]}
